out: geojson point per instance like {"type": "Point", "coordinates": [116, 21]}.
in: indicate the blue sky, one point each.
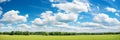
{"type": "Point", "coordinates": [60, 15]}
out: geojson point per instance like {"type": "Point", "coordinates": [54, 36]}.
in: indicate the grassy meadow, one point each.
{"type": "Point", "coordinates": [72, 37]}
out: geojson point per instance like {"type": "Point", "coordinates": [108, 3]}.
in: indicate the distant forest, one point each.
{"type": "Point", "coordinates": [54, 33]}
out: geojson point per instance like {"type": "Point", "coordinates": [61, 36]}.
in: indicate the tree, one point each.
{"type": "Point", "coordinates": [26, 33]}
{"type": "Point", "coordinates": [12, 33]}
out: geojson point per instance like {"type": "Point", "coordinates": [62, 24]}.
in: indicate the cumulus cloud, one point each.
{"type": "Point", "coordinates": [10, 26]}
{"type": "Point", "coordinates": [46, 18]}
{"type": "Point", "coordinates": [101, 21]}
{"type": "Point", "coordinates": [98, 26]}
{"type": "Point", "coordinates": [58, 20]}
{"type": "Point", "coordinates": [113, 0]}
{"type": "Point", "coordinates": [73, 27]}
{"type": "Point", "coordinates": [3, 1]}
{"type": "Point", "coordinates": [26, 15]}
{"type": "Point", "coordinates": [24, 26]}
{"type": "Point", "coordinates": [0, 11]}
{"type": "Point", "coordinates": [111, 9]}
{"type": "Point", "coordinates": [91, 24]}
{"type": "Point", "coordinates": [105, 20]}
{"type": "Point", "coordinates": [63, 19]}
{"type": "Point", "coordinates": [13, 17]}
{"type": "Point", "coordinates": [117, 14]}
{"type": "Point", "coordinates": [75, 6]}
{"type": "Point", "coordinates": [38, 22]}
{"type": "Point", "coordinates": [71, 17]}
{"type": "Point", "coordinates": [62, 1]}
{"type": "Point", "coordinates": [1, 25]}
{"type": "Point", "coordinates": [49, 18]}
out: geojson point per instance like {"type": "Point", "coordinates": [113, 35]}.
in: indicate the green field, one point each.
{"type": "Point", "coordinates": [74, 37]}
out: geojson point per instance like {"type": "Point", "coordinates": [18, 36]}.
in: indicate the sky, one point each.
{"type": "Point", "coordinates": [60, 15]}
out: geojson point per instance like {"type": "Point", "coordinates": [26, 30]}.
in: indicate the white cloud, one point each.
{"type": "Point", "coordinates": [111, 9]}
{"type": "Point", "coordinates": [113, 0]}
{"type": "Point", "coordinates": [81, 17]}
{"type": "Point", "coordinates": [117, 14]}
{"type": "Point", "coordinates": [71, 17]}
{"type": "Point", "coordinates": [27, 15]}
{"type": "Point", "coordinates": [73, 27]}
{"type": "Point", "coordinates": [24, 26]}
{"type": "Point", "coordinates": [100, 17]}
{"type": "Point", "coordinates": [10, 26]}
{"type": "Point", "coordinates": [3, 1]}
{"type": "Point", "coordinates": [44, 19]}
{"type": "Point", "coordinates": [6, 27]}
{"type": "Point", "coordinates": [59, 20]}
{"type": "Point", "coordinates": [56, 18]}
{"type": "Point", "coordinates": [60, 1]}
{"type": "Point", "coordinates": [1, 25]}
{"type": "Point", "coordinates": [51, 0]}
{"type": "Point", "coordinates": [61, 17]}
{"type": "Point", "coordinates": [99, 26]}
{"type": "Point", "coordinates": [38, 22]}
{"type": "Point", "coordinates": [76, 6]}
{"type": "Point", "coordinates": [13, 17]}
{"type": "Point", "coordinates": [49, 18]}
{"type": "Point", "coordinates": [1, 11]}
{"type": "Point", "coordinates": [105, 20]}
{"type": "Point", "coordinates": [91, 24]}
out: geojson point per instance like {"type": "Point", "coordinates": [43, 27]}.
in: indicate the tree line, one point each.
{"type": "Point", "coordinates": [54, 33]}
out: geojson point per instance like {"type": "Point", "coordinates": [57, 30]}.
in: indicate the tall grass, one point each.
{"type": "Point", "coordinates": [74, 37]}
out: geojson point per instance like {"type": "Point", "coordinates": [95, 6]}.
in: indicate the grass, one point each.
{"type": "Point", "coordinates": [74, 37]}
